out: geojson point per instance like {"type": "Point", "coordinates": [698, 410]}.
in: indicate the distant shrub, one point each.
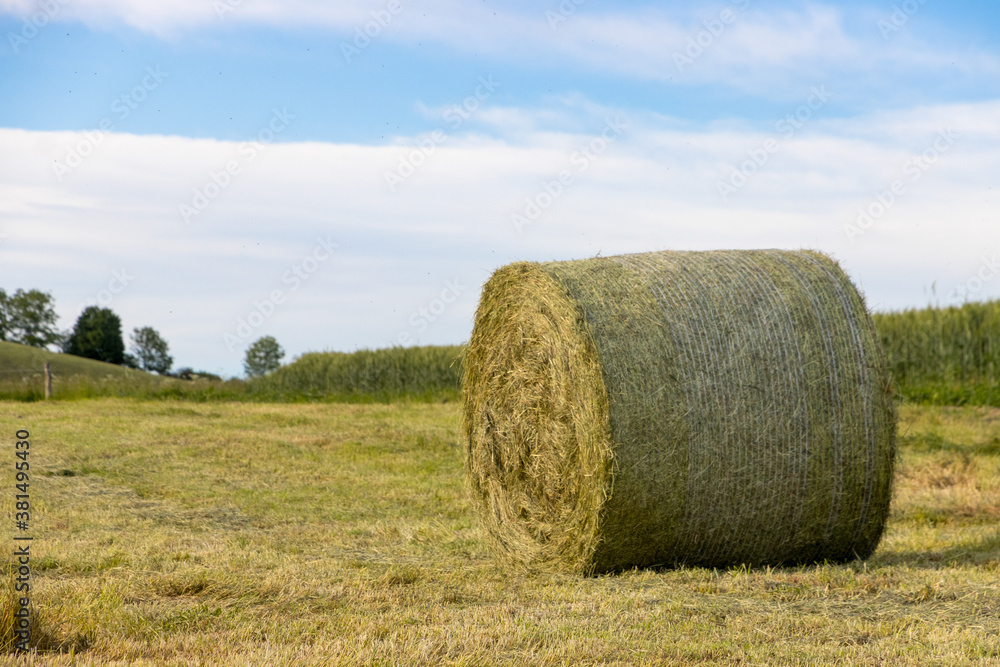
{"type": "Point", "coordinates": [188, 373]}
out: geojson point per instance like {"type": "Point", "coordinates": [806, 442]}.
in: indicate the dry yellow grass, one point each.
{"type": "Point", "coordinates": [175, 534]}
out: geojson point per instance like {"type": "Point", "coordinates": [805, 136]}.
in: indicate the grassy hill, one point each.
{"type": "Point", "coordinates": [22, 360]}
{"type": "Point", "coordinates": [22, 376]}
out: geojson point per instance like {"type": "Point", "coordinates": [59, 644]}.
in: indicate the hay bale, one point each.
{"type": "Point", "coordinates": [705, 408]}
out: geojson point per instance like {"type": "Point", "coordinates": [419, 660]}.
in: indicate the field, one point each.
{"type": "Point", "coordinates": [429, 373]}
{"type": "Point", "coordinates": [945, 356]}
{"type": "Point", "coordinates": [172, 532]}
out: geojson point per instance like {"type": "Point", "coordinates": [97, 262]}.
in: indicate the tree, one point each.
{"type": "Point", "coordinates": [263, 357]}
{"type": "Point", "coordinates": [29, 318]}
{"type": "Point", "coordinates": [151, 351]}
{"type": "Point", "coordinates": [97, 335]}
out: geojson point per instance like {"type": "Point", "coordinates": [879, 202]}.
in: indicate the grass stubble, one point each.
{"type": "Point", "coordinates": [230, 533]}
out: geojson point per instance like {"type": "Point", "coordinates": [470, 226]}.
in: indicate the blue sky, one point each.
{"type": "Point", "coordinates": [184, 162]}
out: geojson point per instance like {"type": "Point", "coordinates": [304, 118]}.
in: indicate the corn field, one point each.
{"type": "Point", "coordinates": [949, 355]}
{"type": "Point", "coordinates": [431, 372]}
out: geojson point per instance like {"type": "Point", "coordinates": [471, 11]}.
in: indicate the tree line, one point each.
{"type": "Point", "coordinates": [28, 317]}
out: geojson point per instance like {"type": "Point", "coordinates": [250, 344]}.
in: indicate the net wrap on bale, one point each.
{"type": "Point", "coordinates": [702, 408]}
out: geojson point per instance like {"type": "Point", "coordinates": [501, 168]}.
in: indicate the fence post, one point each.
{"type": "Point", "coordinates": [48, 380]}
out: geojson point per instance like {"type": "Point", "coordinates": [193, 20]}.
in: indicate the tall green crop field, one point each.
{"type": "Point", "coordinates": [945, 355]}
{"type": "Point", "coordinates": [428, 373]}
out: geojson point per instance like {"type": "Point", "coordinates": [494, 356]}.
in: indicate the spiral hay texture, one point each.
{"type": "Point", "coordinates": [701, 408]}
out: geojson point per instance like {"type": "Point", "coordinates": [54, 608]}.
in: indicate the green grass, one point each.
{"type": "Point", "coordinates": [19, 359]}
{"type": "Point", "coordinates": [22, 379]}
{"type": "Point", "coordinates": [22, 373]}
{"type": "Point", "coordinates": [175, 533]}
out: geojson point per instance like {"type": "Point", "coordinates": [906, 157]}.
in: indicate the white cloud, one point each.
{"type": "Point", "coordinates": [654, 187]}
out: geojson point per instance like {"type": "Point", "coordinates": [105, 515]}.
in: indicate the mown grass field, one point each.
{"type": "Point", "coordinates": [230, 533]}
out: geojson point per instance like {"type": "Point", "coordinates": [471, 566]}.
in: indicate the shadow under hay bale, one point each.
{"type": "Point", "coordinates": [704, 408]}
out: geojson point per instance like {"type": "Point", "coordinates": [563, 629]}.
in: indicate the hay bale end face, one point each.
{"type": "Point", "coordinates": [702, 408]}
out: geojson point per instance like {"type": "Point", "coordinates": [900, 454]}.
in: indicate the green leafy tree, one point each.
{"type": "Point", "coordinates": [28, 317]}
{"type": "Point", "coordinates": [150, 350]}
{"type": "Point", "coordinates": [97, 335]}
{"type": "Point", "coordinates": [263, 356]}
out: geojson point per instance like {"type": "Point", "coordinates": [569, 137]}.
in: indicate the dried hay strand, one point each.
{"type": "Point", "coordinates": [702, 408]}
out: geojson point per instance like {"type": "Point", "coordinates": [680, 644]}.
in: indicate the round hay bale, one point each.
{"type": "Point", "coordinates": [702, 408]}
